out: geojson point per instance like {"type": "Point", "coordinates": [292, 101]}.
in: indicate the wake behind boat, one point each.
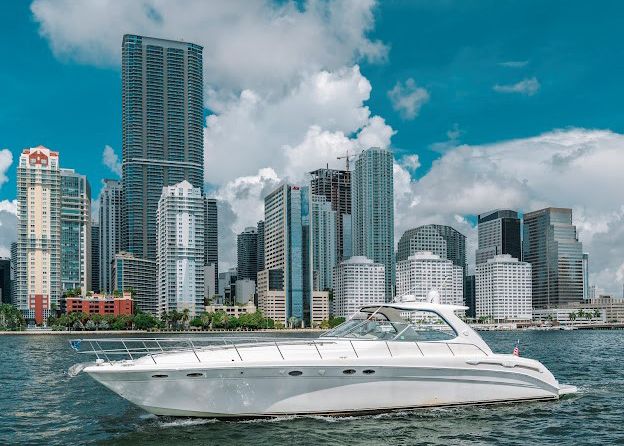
{"type": "Point", "coordinates": [388, 357]}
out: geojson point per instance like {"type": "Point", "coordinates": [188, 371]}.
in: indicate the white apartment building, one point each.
{"type": "Point", "coordinates": [38, 256]}
{"type": "Point", "coordinates": [504, 289]}
{"type": "Point", "coordinates": [425, 271]}
{"type": "Point", "coordinates": [180, 248]}
{"type": "Point", "coordinates": [358, 282]}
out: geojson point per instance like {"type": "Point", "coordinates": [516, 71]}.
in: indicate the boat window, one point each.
{"type": "Point", "coordinates": [160, 376]}
{"type": "Point", "coordinates": [295, 373]}
{"type": "Point", "coordinates": [391, 324]}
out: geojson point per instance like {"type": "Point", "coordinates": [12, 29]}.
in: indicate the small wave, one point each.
{"type": "Point", "coordinates": [77, 368]}
{"type": "Point", "coordinates": [187, 422]}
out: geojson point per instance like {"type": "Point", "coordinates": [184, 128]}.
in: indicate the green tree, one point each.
{"type": "Point", "coordinates": [572, 316]}
{"type": "Point", "coordinates": [335, 321]}
{"type": "Point", "coordinates": [197, 322]}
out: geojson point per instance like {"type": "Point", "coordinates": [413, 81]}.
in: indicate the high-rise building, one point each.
{"type": "Point", "coordinates": [75, 231]}
{"type": "Point", "coordinates": [551, 246]}
{"type": "Point", "coordinates": [585, 276]}
{"type": "Point", "coordinates": [441, 240]}
{"type": "Point", "coordinates": [162, 130]}
{"type": "Point", "coordinates": [499, 233]}
{"type": "Point", "coordinates": [13, 273]}
{"type": "Point", "coordinates": [358, 282]}
{"type": "Point", "coordinates": [470, 295]}
{"type": "Point", "coordinates": [373, 211]}
{"type": "Point", "coordinates": [424, 272]}
{"type": "Point", "coordinates": [5, 281]}
{"type": "Point", "coordinates": [323, 235]}
{"type": "Point", "coordinates": [211, 236]}
{"type": "Point", "coordinates": [503, 289]}
{"type": "Point", "coordinates": [137, 275]}
{"type": "Point", "coordinates": [247, 254]}
{"type": "Point", "coordinates": [260, 244]}
{"type": "Point", "coordinates": [335, 186]}
{"type": "Point", "coordinates": [38, 273]}
{"type": "Point", "coordinates": [287, 248]}
{"type": "Point", "coordinates": [95, 257]}
{"type": "Point", "coordinates": [111, 224]}
{"type": "Point", "coordinates": [180, 258]}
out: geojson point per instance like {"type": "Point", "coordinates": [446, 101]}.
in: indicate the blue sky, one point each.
{"type": "Point", "coordinates": [492, 83]}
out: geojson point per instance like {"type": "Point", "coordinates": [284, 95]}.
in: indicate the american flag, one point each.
{"type": "Point", "coordinates": [516, 351]}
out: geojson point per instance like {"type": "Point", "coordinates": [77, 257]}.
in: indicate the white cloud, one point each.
{"type": "Point", "coordinates": [410, 162]}
{"type": "Point", "coordinates": [6, 159]}
{"type": "Point", "coordinates": [527, 86]}
{"type": "Point", "coordinates": [9, 206]}
{"type": "Point", "coordinates": [575, 168]}
{"type": "Point", "coordinates": [514, 63]}
{"type": "Point", "coordinates": [258, 45]}
{"type": "Point", "coordinates": [111, 160]}
{"type": "Point", "coordinates": [408, 98]}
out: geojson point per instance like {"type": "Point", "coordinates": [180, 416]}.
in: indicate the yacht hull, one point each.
{"type": "Point", "coordinates": [332, 389]}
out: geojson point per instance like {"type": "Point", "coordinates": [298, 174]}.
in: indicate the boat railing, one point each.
{"type": "Point", "coordinates": [119, 349]}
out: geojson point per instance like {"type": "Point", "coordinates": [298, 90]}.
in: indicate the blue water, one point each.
{"type": "Point", "coordinates": [41, 404]}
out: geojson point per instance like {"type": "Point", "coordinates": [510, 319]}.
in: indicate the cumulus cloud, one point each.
{"type": "Point", "coordinates": [258, 45]}
{"type": "Point", "coordinates": [527, 174]}
{"type": "Point", "coordinates": [111, 160]}
{"type": "Point", "coordinates": [407, 98]}
{"type": "Point", "coordinates": [527, 87]}
{"type": "Point", "coordinates": [6, 159]}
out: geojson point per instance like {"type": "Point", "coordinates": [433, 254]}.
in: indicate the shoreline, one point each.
{"type": "Point", "coordinates": [120, 333]}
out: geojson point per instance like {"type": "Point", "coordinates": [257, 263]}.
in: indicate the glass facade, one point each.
{"type": "Point", "coordinates": [551, 246]}
{"type": "Point", "coordinates": [162, 133]}
{"type": "Point", "coordinates": [372, 194]}
{"type": "Point", "coordinates": [441, 240]}
{"type": "Point", "coordinates": [499, 233]}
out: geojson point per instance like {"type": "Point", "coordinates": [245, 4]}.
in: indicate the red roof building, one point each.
{"type": "Point", "coordinates": [100, 304]}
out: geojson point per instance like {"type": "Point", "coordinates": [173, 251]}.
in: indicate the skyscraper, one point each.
{"type": "Point", "coordinates": [38, 274]}
{"type": "Point", "coordinates": [373, 211]}
{"type": "Point", "coordinates": [441, 240]}
{"type": "Point", "coordinates": [14, 273]}
{"type": "Point", "coordinates": [130, 273]}
{"type": "Point", "coordinates": [162, 134]}
{"type": "Point", "coordinates": [358, 282]}
{"type": "Point", "coordinates": [211, 236]}
{"type": "Point", "coordinates": [499, 233]}
{"type": "Point", "coordinates": [335, 186]}
{"type": "Point", "coordinates": [75, 231]}
{"type": "Point", "coordinates": [551, 246]}
{"type": "Point", "coordinates": [323, 241]}
{"type": "Point", "coordinates": [110, 222]}
{"type": "Point", "coordinates": [247, 254]}
{"type": "Point", "coordinates": [95, 257]}
{"type": "Point", "coordinates": [585, 276]}
{"type": "Point", "coordinates": [180, 243]}
{"type": "Point", "coordinates": [5, 281]}
{"type": "Point", "coordinates": [286, 229]}
{"type": "Point", "coordinates": [260, 244]}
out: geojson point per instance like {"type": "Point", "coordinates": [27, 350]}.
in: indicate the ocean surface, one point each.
{"type": "Point", "coordinates": [41, 404]}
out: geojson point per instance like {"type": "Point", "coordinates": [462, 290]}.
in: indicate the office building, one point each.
{"type": "Point", "coordinates": [100, 304]}
{"type": "Point", "coordinates": [180, 258]}
{"type": "Point", "coordinates": [162, 130]}
{"type": "Point", "coordinates": [260, 244]}
{"type": "Point", "coordinates": [245, 291]}
{"type": "Point", "coordinates": [111, 230]}
{"type": "Point", "coordinates": [585, 276]}
{"type": "Point", "coordinates": [499, 233]}
{"type": "Point", "coordinates": [373, 211]}
{"type": "Point", "coordinates": [323, 242]}
{"type": "Point", "coordinates": [5, 281]}
{"type": "Point", "coordinates": [441, 240]}
{"type": "Point", "coordinates": [226, 285]}
{"type": "Point", "coordinates": [319, 311]}
{"type": "Point", "coordinates": [287, 248]}
{"type": "Point", "coordinates": [358, 282]}
{"type": "Point", "coordinates": [272, 295]}
{"type": "Point", "coordinates": [335, 186]}
{"type": "Point", "coordinates": [211, 237]}
{"type": "Point", "coordinates": [503, 289]}
{"type": "Point", "coordinates": [210, 279]}
{"type": "Point", "coordinates": [38, 272]}
{"type": "Point", "coordinates": [137, 275]}
{"type": "Point", "coordinates": [247, 254]}
{"type": "Point", "coordinates": [551, 246]}
{"type": "Point", "coordinates": [75, 231]}
{"type": "Point", "coordinates": [424, 272]}
{"type": "Point", "coordinates": [95, 257]}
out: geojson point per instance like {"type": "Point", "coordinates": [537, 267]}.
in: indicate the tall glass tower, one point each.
{"type": "Point", "coordinates": [373, 211]}
{"type": "Point", "coordinates": [499, 233]}
{"type": "Point", "coordinates": [162, 140]}
{"type": "Point", "coordinates": [551, 246]}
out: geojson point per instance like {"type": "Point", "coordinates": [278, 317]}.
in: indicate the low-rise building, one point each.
{"type": "Point", "coordinates": [232, 310]}
{"type": "Point", "coordinates": [100, 304]}
{"type": "Point", "coordinates": [320, 307]}
{"type": "Point", "coordinates": [570, 315]}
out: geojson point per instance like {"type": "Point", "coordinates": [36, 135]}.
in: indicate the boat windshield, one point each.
{"type": "Point", "coordinates": [390, 324]}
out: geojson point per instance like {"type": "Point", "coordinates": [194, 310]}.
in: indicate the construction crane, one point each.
{"type": "Point", "coordinates": [346, 157]}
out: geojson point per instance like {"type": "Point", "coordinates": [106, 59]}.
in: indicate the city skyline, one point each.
{"type": "Point", "coordinates": [519, 161]}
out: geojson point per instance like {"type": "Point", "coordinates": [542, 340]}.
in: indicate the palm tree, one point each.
{"type": "Point", "coordinates": [186, 315]}
{"type": "Point", "coordinates": [572, 316]}
{"type": "Point", "coordinates": [596, 313]}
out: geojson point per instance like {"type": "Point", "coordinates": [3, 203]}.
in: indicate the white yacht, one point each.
{"type": "Point", "coordinates": [390, 356]}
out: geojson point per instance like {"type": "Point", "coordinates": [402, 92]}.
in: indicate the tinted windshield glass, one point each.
{"type": "Point", "coordinates": [389, 324]}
